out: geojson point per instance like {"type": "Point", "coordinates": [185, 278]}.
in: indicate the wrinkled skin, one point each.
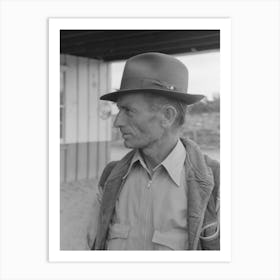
{"type": "Point", "coordinates": [139, 124]}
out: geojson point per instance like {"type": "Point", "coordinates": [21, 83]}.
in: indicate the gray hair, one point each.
{"type": "Point", "coordinates": [157, 102]}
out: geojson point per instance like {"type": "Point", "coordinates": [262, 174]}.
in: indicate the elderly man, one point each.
{"type": "Point", "coordinates": [164, 194]}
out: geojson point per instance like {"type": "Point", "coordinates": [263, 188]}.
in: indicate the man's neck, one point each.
{"type": "Point", "coordinates": [157, 153]}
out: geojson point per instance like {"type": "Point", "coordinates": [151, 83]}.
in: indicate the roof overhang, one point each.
{"type": "Point", "coordinates": [111, 45]}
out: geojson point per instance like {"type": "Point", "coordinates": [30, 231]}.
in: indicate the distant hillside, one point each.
{"type": "Point", "coordinates": [204, 129]}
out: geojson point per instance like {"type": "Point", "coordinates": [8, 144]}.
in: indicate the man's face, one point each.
{"type": "Point", "coordinates": [138, 123]}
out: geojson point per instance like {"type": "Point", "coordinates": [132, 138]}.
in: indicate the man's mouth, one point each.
{"type": "Point", "coordinates": [125, 134]}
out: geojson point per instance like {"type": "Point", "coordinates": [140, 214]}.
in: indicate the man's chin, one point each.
{"type": "Point", "coordinates": [127, 144]}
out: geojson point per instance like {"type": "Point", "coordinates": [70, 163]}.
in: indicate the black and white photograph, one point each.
{"type": "Point", "coordinates": [163, 194]}
{"type": "Point", "coordinates": [139, 130]}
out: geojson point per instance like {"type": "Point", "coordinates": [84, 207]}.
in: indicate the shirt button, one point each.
{"type": "Point", "coordinates": [149, 184]}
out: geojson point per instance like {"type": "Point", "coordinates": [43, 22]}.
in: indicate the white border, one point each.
{"type": "Point", "coordinates": [56, 255]}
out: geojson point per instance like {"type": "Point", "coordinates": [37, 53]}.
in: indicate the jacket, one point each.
{"type": "Point", "coordinates": [203, 198]}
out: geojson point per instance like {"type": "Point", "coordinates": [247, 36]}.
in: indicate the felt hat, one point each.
{"type": "Point", "coordinates": [155, 73]}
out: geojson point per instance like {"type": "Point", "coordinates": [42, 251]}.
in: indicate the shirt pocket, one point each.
{"type": "Point", "coordinates": [118, 234]}
{"type": "Point", "coordinates": [210, 237]}
{"type": "Point", "coordinates": [169, 240]}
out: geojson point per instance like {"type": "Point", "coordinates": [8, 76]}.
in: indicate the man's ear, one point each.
{"type": "Point", "coordinates": [169, 115]}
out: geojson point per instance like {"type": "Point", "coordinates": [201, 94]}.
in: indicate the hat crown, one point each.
{"type": "Point", "coordinates": [156, 73]}
{"type": "Point", "coordinates": [154, 70]}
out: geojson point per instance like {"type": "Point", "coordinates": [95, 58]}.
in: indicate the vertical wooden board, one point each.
{"type": "Point", "coordinates": [104, 131]}
{"type": "Point", "coordinates": [103, 77]}
{"type": "Point", "coordinates": [71, 159]}
{"type": "Point", "coordinates": [83, 87]}
{"type": "Point", "coordinates": [108, 146]}
{"type": "Point", "coordinates": [103, 82]}
{"type": "Point", "coordinates": [92, 160]}
{"type": "Point", "coordinates": [101, 158]}
{"type": "Point", "coordinates": [104, 156]}
{"type": "Point", "coordinates": [71, 101]}
{"type": "Point", "coordinates": [82, 161]}
{"type": "Point", "coordinates": [93, 100]}
{"type": "Point", "coordinates": [62, 163]}
{"type": "Point", "coordinates": [109, 121]}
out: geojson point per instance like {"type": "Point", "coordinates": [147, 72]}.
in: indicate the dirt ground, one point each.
{"type": "Point", "coordinates": [76, 204]}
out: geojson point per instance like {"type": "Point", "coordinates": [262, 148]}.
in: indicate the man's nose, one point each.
{"type": "Point", "coordinates": [119, 120]}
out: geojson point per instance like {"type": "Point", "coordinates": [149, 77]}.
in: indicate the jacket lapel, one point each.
{"type": "Point", "coordinates": [111, 193]}
{"type": "Point", "coordinates": [200, 184]}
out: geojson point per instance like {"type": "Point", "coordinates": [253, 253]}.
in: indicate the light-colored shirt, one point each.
{"type": "Point", "coordinates": [151, 211]}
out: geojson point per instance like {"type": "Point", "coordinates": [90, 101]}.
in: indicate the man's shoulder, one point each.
{"type": "Point", "coordinates": [106, 171]}
{"type": "Point", "coordinates": [117, 166]}
{"type": "Point", "coordinates": [200, 162]}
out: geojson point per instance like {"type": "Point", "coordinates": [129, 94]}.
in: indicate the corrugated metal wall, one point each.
{"type": "Point", "coordinates": [86, 135]}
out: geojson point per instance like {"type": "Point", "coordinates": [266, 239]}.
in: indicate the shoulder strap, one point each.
{"type": "Point", "coordinates": [106, 172]}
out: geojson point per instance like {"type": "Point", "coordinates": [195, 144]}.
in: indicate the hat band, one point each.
{"type": "Point", "coordinates": [136, 83]}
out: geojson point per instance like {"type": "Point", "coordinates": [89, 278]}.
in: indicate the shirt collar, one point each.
{"type": "Point", "coordinates": [173, 163]}
{"type": "Point", "coordinates": [136, 157]}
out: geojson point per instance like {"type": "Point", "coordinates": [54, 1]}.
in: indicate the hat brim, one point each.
{"type": "Point", "coordinates": [183, 97]}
